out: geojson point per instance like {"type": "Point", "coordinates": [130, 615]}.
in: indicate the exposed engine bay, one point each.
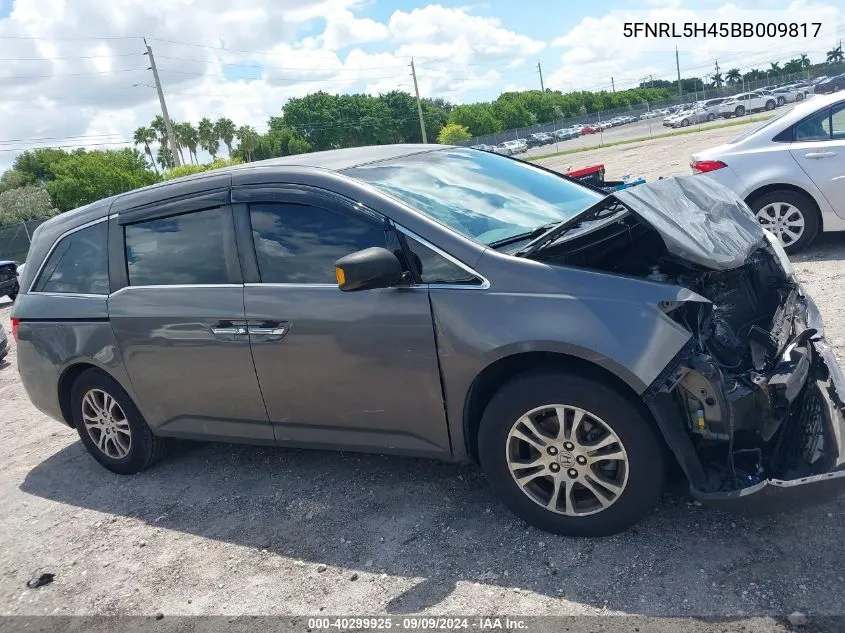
{"type": "Point", "coordinates": [750, 398]}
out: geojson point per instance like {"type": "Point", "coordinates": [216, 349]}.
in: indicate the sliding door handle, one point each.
{"type": "Point", "coordinates": [267, 331]}
{"type": "Point", "coordinates": [230, 330]}
{"type": "Point", "coordinates": [279, 330]}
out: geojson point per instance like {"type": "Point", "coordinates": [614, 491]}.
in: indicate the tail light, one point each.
{"type": "Point", "coordinates": [703, 166]}
{"type": "Point", "coordinates": [15, 324]}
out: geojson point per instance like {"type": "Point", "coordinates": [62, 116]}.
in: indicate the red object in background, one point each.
{"type": "Point", "coordinates": [589, 129]}
{"type": "Point", "coordinates": [15, 323]}
{"type": "Point", "coordinates": [593, 175]}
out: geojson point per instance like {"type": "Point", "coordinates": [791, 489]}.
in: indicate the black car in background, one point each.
{"type": "Point", "coordinates": [831, 84]}
{"type": "Point", "coordinates": [9, 279]}
{"type": "Point", "coordinates": [540, 138]}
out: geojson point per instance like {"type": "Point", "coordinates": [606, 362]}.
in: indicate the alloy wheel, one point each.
{"type": "Point", "coordinates": [106, 424]}
{"type": "Point", "coordinates": [567, 460]}
{"type": "Point", "coordinates": [784, 220]}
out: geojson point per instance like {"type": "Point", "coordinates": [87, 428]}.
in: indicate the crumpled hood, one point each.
{"type": "Point", "coordinates": [699, 219]}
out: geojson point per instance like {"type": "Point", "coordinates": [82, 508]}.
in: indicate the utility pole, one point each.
{"type": "Point", "coordinates": [678, 67]}
{"type": "Point", "coordinates": [419, 103]}
{"type": "Point", "coordinates": [540, 70]}
{"type": "Point", "coordinates": [171, 138]}
{"type": "Point", "coordinates": [612, 85]}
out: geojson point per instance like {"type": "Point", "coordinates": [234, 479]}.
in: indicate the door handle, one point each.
{"type": "Point", "coordinates": [280, 330]}
{"type": "Point", "coordinates": [230, 330]}
{"type": "Point", "coordinates": [268, 330]}
{"type": "Point", "coordinates": [819, 154]}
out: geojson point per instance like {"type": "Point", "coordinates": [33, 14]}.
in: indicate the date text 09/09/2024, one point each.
{"type": "Point", "coordinates": [416, 623]}
{"type": "Point", "coordinates": [721, 29]}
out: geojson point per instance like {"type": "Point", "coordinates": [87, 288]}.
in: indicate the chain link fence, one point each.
{"type": "Point", "coordinates": [637, 109]}
{"type": "Point", "coordinates": [15, 239]}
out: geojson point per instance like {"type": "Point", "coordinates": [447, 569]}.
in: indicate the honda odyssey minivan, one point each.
{"type": "Point", "coordinates": [441, 302]}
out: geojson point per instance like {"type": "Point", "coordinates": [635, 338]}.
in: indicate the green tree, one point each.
{"type": "Point", "coordinates": [298, 145]}
{"type": "Point", "coordinates": [453, 133]}
{"type": "Point", "coordinates": [208, 137]}
{"type": "Point", "coordinates": [157, 125]}
{"type": "Point", "coordinates": [805, 61]}
{"type": "Point", "coordinates": [165, 157]}
{"type": "Point", "coordinates": [81, 177]}
{"type": "Point", "coordinates": [774, 69]}
{"type": "Point", "coordinates": [225, 130]}
{"type": "Point", "coordinates": [733, 76]}
{"type": "Point", "coordinates": [247, 138]}
{"type": "Point", "coordinates": [511, 113]}
{"type": "Point", "coordinates": [29, 202]}
{"type": "Point", "coordinates": [187, 170]}
{"type": "Point", "coordinates": [478, 118]}
{"type": "Point", "coordinates": [187, 136]}
{"type": "Point", "coordinates": [835, 55]}
{"type": "Point", "coordinates": [144, 136]}
{"type": "Point", "coordinates": [792, 66]}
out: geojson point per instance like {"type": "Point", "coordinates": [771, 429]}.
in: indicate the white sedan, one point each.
{"type": "Point", "coordinates": [789, 169]}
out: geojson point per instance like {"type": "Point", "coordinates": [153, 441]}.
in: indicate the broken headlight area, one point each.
{"type": "Point", "coordinates": [752, 401]}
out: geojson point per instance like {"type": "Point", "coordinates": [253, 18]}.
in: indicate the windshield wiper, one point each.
{"type": "Point", "coordinates": [543, 240]}
{"type": "Point", "coordinates": [520, 237]}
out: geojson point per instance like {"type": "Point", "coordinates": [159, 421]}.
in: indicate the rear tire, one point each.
{"type": "Point", "coordinates": [799, 96]}
{"type": "Point", "coordinates": [711, 117]}
{"type": "Point", "coordinates": [740, 111]}
{"type": "Point", "coordinates": [774, 204]}
{"type": "Point", "coordinates": [14, 294]}
{"type": "Point", "coordinates": [572, 476]}
{"type": "Point", "coordinates": [781, 101]}
{"type": "Point", "coordinates": [771, 104]}
{"type": "Point", "coordinates": [110, 426]}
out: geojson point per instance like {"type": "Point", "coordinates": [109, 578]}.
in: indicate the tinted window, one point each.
{"type": "Point", "coordinates": [297, 243]}
{"type": "Point", "coordinates": [837, 121]}
{"type": "Point", "coordinates": [182, 249]}
{"type": "Point", "coordinates": [815, 127]}
{"type": "Point", "coordinates": [433, 268]}
{"type": "Point", "coordinates": [482, 196]}
{"type": "Point", "coordinates": [78, 264]}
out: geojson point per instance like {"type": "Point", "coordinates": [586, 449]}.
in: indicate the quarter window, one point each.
{"type": "Point", "coordinates": [815, 127]}
{"type": "Point", "coordinates": [185, 249]}
{"type": "Point", "coordinates": [296, 243]}
{"type": "Point", "coordinates": [433, 268]}
{"type": "Point", "coordinates": [79, 264]}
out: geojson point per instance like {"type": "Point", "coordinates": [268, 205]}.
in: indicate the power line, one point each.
{"type": "Point", "coordinates": [47, 59]}
{"type": "Point", "coordinates": [248, 65]}
{"type": "Point", "coordinates": [94, 72]}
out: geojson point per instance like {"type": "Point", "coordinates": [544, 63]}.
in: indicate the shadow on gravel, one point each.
{"type": "Point", "coordinates": [826, 247]}
{"type": "Point", "coordinates": [439, 525]}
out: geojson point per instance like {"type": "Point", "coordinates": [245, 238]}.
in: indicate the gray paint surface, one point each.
{"type": "Point", "coordinates": [361, 370]}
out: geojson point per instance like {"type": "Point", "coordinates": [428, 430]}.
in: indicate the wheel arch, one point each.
{"type": "Point", "coordinates": [69, 376]}
{"type": "Point", "coordinates": [500, 371]}
{"type": "Point", "coordinates": [781, 186]}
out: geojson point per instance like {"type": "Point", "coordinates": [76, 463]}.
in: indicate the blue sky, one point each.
{"type": "Point", "coordinates": [74, 72]}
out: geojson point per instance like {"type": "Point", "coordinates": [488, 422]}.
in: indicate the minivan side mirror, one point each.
{"type": "Point", "coordinates": [368, 269]}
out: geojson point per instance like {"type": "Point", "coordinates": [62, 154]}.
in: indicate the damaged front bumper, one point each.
{"type": "Point", "coordinates": [806, 461]}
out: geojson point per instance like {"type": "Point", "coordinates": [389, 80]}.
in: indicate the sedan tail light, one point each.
{"type": "Point", "coordinates": [703, 166]}
{"type": "Point", "coordinates": [15, 323]}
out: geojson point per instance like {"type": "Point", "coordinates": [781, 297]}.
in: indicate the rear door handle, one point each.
{"type": "Point", "coordinates": [229, 329]}
{"type": "Point", "coordinates": [819, 154]}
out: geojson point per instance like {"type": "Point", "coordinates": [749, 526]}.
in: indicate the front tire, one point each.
{"type": "Point", "coordinates": [14, 294]}
{"type": "Point", "coordinates": [110, 426]}
{"type": "Point", "coordinates": [790, 215]}
{"type": "Point", "coordinates": [711, 117]}
{"type": "Point", "coordinates": [570, 455]}
{"type": "Point", "coordinates": [740, 111]}
{"type": "Point", "coordinates": [770, 104]}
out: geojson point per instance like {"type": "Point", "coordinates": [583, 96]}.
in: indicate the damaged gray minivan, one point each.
{"type": "Point", "coordinates": [447, 303]}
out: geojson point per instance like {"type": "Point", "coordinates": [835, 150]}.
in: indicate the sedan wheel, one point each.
{"type": "Point", "coordinates": [770, 104]}
{"type": "Point", "coordinates": [740, 110]}
{"type": "Point", "coordinates": [781, 101]}
{"type": "Point", "coordinates": [567, 460]}
{"type": "Point", "coordinates": [711, 117]}
{"type": "Point", "coordinates": [106, 424]}
{"type": "Point", "coordinates": [784, 220]}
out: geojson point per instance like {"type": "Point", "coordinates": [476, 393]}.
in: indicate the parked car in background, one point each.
{"type": "Point", "coordinates": [539, 139]}
{"type": "Point", "coordinates": [745, 103]}
{"type": "Point", "coordinates": [788, 169]}
{"type": "Point", "coordinates": [690, 117]}
{"type": "Point", "coordinates": [358, 299]}
{"type": "Point", "coordinates": [590, 129]}
{"type": "Point", "coordinates": [566, 133]}
{"type": "Point", "coordinates": [509, 148]}
{"type": "Point", "coordinates": [523, 144]}
{"type": "Point", "coordinates": [831, 84]}
{"type": "Point", "coordinates": [4, 343]}
{"type": "Point", "coordinates": [789, 94]}
{"type": "Point", "coordinates": [485, 148]}
{"type": "Point", "coordinates": [9, 279]}
{"type": "Point", "coordinates": [711, 107]}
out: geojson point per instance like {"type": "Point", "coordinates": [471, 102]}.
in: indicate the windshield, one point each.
{"type": "Point", "coordinates": [483, 196]}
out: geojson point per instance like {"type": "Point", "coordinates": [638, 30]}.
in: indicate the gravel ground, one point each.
{"type": "Point", "coordinates": [238, 530]}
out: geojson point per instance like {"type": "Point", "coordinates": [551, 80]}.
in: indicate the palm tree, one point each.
{"type": "Point", "coordinates": [246, 136]}
{"type": "Point", "coordinates": [190, 139]}
{"type": "Point", "coordinates": [225, 130]}
{"type": "Point", "coordinates": [805, 61]}
{"type": "Point", "coordinates": [774, 69]}
{"type": "Point", "coordinates": [144, 136]}
{"type": "Point", "coordinates": [733, 76]}
{"type": "Point", "coordinates": [208, 138]}
{"type": "Point", "coordinates": [835, 55]}
{"type": "Point", "coordinates": [792, 66]}
{"type": "Point", "coordinates": [179, 140]}
{"type": "Point", "coordinates": [158, 126]}
{"type": "Point", "coordinates": [165, 157]}
{"type": "Point", "coordinates": [717, 80]}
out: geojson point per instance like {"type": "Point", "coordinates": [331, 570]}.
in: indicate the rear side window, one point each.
{"type": "Point", "coordinates": [299, 244]}
{"type": "Point", "coordinates": [78, 264]}
{"type": "Point", "coordinates": [187, 249]}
